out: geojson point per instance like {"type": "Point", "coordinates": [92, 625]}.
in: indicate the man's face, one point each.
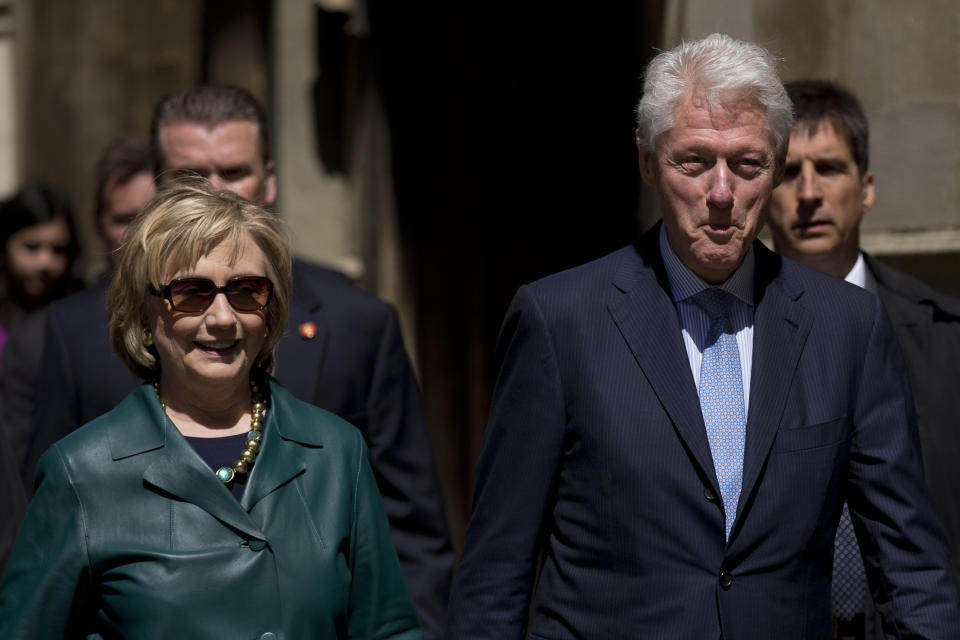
{"type": "Point", "coordinates": [714, 171]}
{"type": "Point", "coordinates": [817, 209]}
{"type": "Point", "coordinates": [228, 155]}
{"type": "Point", "coordinates": [121, 204]}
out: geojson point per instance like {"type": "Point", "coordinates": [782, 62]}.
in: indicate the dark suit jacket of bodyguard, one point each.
{"type": "Point", "coordinates": [131, 535]}
{"type": "Point", "coordinates": [355, 366]}
{"type": "Point", "coordinates": [928, 330]}
{"type": "Point", "coordinates": [596, 455]}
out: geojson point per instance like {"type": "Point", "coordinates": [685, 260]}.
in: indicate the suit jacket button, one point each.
{"type": "Point", "coordinates": [257, 545]}
{"type": "Point", "coordinates": [709, 494]}
{"type": "Point", "coordinates": [269, 635]}
{"type": "Point", "coordinates": [726, 580]}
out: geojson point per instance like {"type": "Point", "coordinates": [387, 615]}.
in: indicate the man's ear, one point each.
{"type": "Point", "coordinates": [869, 191]}
{"type": "Point", "coordinates": [270, 186]}
{"type": "Point", "coordinates": [647, 159]}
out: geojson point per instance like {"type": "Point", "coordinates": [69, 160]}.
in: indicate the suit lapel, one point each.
{"type": "Point", "coordinates": [299, 358]}
{"type": "Point", "coordinates": [902, 313]}
{"type": "Point", "coordinates": [644, 312]}
{"type": "Point", "coordinates": [905, 307]}
{"type": "Point", "coordinates": [781, 326]}
{"type": "Point", "coordinates": [281, 456]}
{"type": "Point", "coordinates": [180, 472]}
{"type": "Point", "coordinates": [304, 344]}
{"type": "Point", "coordinates": [140, 426]}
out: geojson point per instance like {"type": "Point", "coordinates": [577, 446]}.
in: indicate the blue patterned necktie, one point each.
{"type": "Point", "coordinates": [721, 397]}
{"type": "Point", "coordinates": [849, 578]}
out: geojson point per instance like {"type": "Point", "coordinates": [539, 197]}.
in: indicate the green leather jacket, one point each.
{"type": "Point", "coordinates": [130, 535]}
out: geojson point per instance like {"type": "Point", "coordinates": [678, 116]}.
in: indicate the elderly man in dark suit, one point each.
{"type": "Point", "coordinates": [815, 217]}
{"type": "Point", "coordinates": [677, 425]}
{"type": "Point", "coordinates": [342, 349]}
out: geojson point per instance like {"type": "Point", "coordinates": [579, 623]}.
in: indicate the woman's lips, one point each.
{"type": "Point", "coordinates": [217, 348]}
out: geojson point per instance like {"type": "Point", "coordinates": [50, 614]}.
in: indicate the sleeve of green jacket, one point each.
{"type": "Point", "coordinates": [379, 605]}
{"type": "Point", "coordinates": [46, 590]}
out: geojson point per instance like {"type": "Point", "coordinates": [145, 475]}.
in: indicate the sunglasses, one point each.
{"type": "Point", "coordinates": [194, 295]}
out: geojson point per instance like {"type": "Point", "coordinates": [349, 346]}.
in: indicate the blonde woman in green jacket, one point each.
{"type": "Point", "coordinates": [210, 503]}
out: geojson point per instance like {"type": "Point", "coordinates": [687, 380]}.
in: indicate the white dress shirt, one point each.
{"type": "Point", "coordinates": [694, 321]}
{"type": "Point", "coordinates": [861, 276]}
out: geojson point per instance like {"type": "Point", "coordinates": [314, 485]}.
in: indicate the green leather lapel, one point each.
{"type": "Point", "coordinates": [139, 426]}
{"type": "Point", "coordinates": [180, 472]}
{"type": "Point", "coordinates": [280, 457]}
{"type": "Point", "coordinates": [136, 424]}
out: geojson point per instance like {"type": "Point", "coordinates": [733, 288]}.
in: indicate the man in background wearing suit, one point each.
{"type": "Point", "coordinates": [815, 217]}
{"type": "Point", "coordinates": [342, 349]}
{"type": "Point", "coordinates": [676, 426]}
{"type": "Point", "coordinates": [124, 181]}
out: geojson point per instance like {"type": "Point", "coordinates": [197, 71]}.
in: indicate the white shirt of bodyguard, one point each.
{"type": "Point", "coordinates": [861, 276]}
{"type": "Point", "coordinates": [694, 321]}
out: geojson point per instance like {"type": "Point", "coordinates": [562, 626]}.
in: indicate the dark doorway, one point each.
{"type": "Point", "coordinates": [514, 157]}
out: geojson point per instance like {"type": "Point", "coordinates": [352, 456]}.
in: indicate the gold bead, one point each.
{"type": "Point", "coordinates": [248, 455]}
{"type": "Point", "coordinates": [240, 466]}
{"type": "Point", "coordinates": [253, 445]}
{"type": "Point", "coordinates": [258, 407]}
{"type": "Point", "coordinates": [255, 425]}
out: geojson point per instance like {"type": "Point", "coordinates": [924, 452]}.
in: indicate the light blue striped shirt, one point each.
{"type": "Point", "coordinates": [694, 321]}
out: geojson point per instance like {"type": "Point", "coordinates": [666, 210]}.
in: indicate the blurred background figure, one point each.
{"type": "Point", "coordinates": [38, 253]}
{"type": "Point", "coordinates": [124, 182]}
{"type": "Point", "coordinates": [38, 249]}
{"type": "Point", "coordinates": [13, 501]}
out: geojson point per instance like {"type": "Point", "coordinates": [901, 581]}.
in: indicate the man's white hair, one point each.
{"type": "Point", "coordinates": [718, 70]}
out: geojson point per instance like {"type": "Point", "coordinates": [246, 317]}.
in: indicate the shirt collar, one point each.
{"type": "Point", "coordinates": [861, 276]}
{"type": "Point", "coordinates": [685, 283]}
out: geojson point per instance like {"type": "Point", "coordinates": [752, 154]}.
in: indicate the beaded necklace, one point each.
{"type": "Point", "coordinates": [226, 474]}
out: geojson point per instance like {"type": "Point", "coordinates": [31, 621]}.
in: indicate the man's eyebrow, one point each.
{"type": "Point", "coordinates": [831, 160]}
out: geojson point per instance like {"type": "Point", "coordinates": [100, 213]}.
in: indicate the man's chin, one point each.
{"type": "Point", "coordinates": [813, 244]}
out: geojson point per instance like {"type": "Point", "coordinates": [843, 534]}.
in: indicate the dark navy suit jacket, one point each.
{"type": "Point", "coordinates": [928, 329]}
{"type": "Point", "coordinates": [596, 465]}
{"type": "Point", "coordinates": [355, 366]}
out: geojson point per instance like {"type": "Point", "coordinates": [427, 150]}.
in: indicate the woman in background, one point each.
{"type": "Point", "coordinates": [210, 503]}
{"type": "Point", "coordinates": [38, 249]}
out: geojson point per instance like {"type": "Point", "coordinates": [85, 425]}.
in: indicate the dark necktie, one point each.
{"type": "Point", "coordinates": [849, 579]}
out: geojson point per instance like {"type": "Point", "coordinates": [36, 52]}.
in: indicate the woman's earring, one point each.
{"type": "Point", "coordinates": [266, 332]}
{"type": "Point", "coordinates": [147, 338]}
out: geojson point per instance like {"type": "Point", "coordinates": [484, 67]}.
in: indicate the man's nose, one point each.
{"type": "Point", "coordinates": [721, 188]}
{"type": "Point", "coordinates": [808, 186]}
{"type": "Point", "coordinates": [216, 181]}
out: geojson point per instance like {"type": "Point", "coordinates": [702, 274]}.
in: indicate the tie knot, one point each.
{"type": "Point", "coordinates": [715, 302]}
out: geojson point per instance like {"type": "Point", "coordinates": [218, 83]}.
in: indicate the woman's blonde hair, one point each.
{"type": "Point", "coordinates": [180, 225]}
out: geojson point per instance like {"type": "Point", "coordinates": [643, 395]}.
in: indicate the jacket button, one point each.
{"type": "Point", "coordinates": [709, 494]}
{"type": "Point", "coordinates": [258, 545]}
{"type": "Point", "coordinates": [269, 635]}
{"type": "Point", "coordinates": [726, 580]}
